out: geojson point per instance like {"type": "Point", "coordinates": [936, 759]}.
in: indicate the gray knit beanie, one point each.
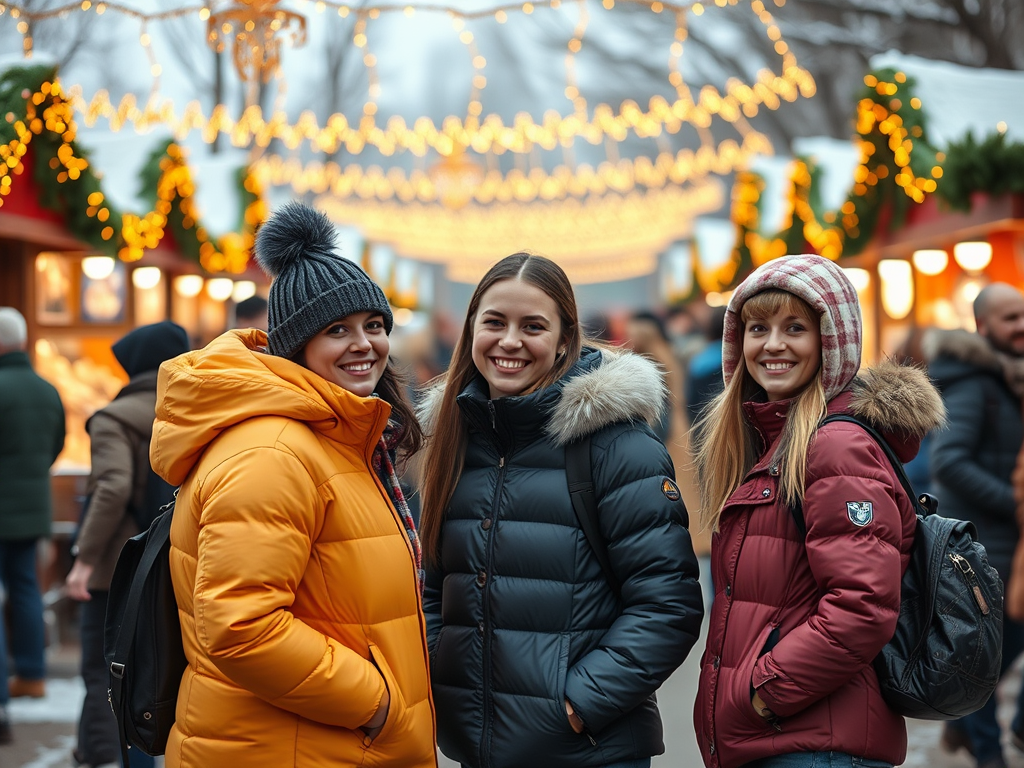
{"type": "Point", "coordinates": [313, 284]}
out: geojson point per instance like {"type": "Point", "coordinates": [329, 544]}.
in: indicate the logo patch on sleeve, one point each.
{"type": "Point", "coordinates": [670, 489]}
{"type": "Point", "coordinates": [860, 512]}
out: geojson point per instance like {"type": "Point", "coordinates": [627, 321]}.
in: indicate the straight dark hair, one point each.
{"type": "Point", "coordinates": [393, 388]}
{"type": "Point", "coordinates": [446, 445]}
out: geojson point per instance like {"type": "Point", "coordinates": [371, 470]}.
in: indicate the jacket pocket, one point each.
{"type": "Point", "coordinates": [561, 677]}
{"type": "Point", "coordinates": [739, 689]}
{"type": "Point", "coordinates": [396, 708]}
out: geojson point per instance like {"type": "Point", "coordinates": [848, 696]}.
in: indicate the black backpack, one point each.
{"type": "Point", "coordinates": [142, 640]}
{"type": "Point", "coordinates": [944, 660]}
{"type": "Point", "coordinates": [157, 495]}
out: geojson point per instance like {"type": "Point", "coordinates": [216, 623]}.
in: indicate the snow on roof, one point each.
{"type": "Point", "coordinates": [958, 99]}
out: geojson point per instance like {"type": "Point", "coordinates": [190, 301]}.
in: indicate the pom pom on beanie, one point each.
{"type": "Point", "coordinates": [313, 284]}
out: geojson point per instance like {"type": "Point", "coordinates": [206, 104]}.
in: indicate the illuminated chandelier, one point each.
{"type": "Point", "coordinates": [466, 189]}
{"type": "Point", "coordinates": [254, 27]}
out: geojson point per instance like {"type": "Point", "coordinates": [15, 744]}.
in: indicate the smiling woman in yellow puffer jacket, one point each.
{"type": "Point", "coordinates": [295, 564]}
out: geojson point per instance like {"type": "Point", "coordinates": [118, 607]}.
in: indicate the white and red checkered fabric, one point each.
{"type": "Point", "coordinates": [826, 288]}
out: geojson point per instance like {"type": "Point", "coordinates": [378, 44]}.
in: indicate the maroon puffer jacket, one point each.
{"type": "Point", "coordinates": [801, 619]}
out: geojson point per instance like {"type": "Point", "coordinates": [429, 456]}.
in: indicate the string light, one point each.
{"type": "Point", "coordinates": [611, 237]}
{"type": "Point", "coordinates": [563, 182]}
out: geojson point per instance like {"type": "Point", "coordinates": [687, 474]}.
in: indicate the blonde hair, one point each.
{"type": "Point", "coordinates": [724, 442]}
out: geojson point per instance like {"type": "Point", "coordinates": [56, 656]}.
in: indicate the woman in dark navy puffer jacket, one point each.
{"type": "Point", "coordinates": [534, 661]}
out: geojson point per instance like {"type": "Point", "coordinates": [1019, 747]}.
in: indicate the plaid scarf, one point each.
{"type": "Point", "coordinates": [384, 466]}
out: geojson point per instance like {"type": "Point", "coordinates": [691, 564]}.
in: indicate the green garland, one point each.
{"type": "Point", "coordinates": [150, 175]}
{"type": "Point", "coordinates": [994, 167]}
{"type": "Point", "coordinates": [69, 199]}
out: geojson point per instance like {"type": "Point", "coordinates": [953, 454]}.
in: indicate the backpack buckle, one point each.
{"type": "Point", "coordinates": [117, 670]}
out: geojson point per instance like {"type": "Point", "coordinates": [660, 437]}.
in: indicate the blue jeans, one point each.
{"type": "Point", "coordinates": [981, 726]}
{"type": "Point", "coordinates": [28, 637]}
{"type": "Point", "coordinates": [817, 760]}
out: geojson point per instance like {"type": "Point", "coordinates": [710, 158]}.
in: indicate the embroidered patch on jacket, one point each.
{"type": "Point", "coordinates": [670, 489]}
{"type": "Point", "coordinates": [860, 512]}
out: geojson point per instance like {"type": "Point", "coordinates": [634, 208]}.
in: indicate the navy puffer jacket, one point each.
{"type": "Point", "coordinates": [519, 614]}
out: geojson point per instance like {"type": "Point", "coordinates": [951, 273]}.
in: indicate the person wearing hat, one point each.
{"type": "Point", "coordinates": [119, 481]}
{"type": "Point", "coordinates": [787, 680]}
{"type": "Point", "coordinates": [295, 562]}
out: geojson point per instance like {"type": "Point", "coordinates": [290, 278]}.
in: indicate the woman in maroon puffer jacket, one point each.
{"type": "Point", "coordinates": [797, 620]}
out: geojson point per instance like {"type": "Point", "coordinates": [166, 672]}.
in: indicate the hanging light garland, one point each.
{"type": "Point", "coordinates": [481, 134]}
{"type": "Point", "coordinates": [600, 238]}
{"type": "Point", "coordinates": [467, 178]}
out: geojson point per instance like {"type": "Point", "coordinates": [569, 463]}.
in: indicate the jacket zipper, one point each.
{"type": "Point", "coordinates": [971, 578]}
{"type": "Point", "coordinates": [485, 741]}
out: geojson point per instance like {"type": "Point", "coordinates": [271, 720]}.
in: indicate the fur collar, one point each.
{"type": "Point", "coordinates": [975, 351]}
{"type": "Point", "coordinates": [624, 387]}
{"type": "Point", "coordinates": [898, 399]}
{"type": "Point", "coordinates": [961, 345]}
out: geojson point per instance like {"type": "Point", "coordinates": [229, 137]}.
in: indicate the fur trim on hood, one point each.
{"type": "Point", "coordinates": [898, 399]}
{"type": "Point", "coordinates": [624, 387]}
{"type": "Point", "coordinates": [961, 345]}
{"type": "Point", "coordinates": [975, 351]}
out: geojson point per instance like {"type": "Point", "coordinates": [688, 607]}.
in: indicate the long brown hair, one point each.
{"type": "Point", "coordinates": [393, 388]}
{"type": "Point", "coordinates": [724, 448]}
{"type": "Point", "coordinates": [446, 445]}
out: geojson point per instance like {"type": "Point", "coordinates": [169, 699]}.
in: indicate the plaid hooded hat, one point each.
{"type": "Point", "coordinates": [829, 292]}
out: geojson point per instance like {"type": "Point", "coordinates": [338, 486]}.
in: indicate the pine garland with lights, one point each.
{"type": "Point", "coordinates": [37, 114]}
{"type": "Point", "coordinates": [898, 168]}
{"type": "Point", "coordinates": [993, 166]}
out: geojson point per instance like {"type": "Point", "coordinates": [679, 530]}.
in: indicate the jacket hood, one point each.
{"type": "Point", "coordinates": [203, 393]}
{"type": "Point", "coordinates": [955, 354]}
{"type": "Point", "coordinates": [826, 288]}
{"type": "Point", "coordinates": [897, 399]}
{"type": "Point", "coordinates": [961, 346]}
{"type": "Point", "coordinates": [619, 386]}
{"type": "Point", "coordinates": [146, 347]}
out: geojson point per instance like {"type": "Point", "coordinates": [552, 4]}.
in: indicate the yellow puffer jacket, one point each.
{"type": "Point", "coordinates": [295, 580]}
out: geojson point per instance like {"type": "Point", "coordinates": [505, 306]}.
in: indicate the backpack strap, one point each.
{"type": "Point", "coordinates": [579, 473]}
{"type": "Point", "coordinates": [797, 511]}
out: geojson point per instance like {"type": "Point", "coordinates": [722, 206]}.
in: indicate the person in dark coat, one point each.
{"type": "Point", "coordinates": [119, 435]}
{"type": "Point", "coordinates": [534, 661]}
{"type": "Point", "coordinates": [704, 375]}
{"type": "Point", "coordinates": [981, 376]}
{"type": "Point", "coordinates": [787, 678]}
{"type": "Point", "coordinates": [32, 426]}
